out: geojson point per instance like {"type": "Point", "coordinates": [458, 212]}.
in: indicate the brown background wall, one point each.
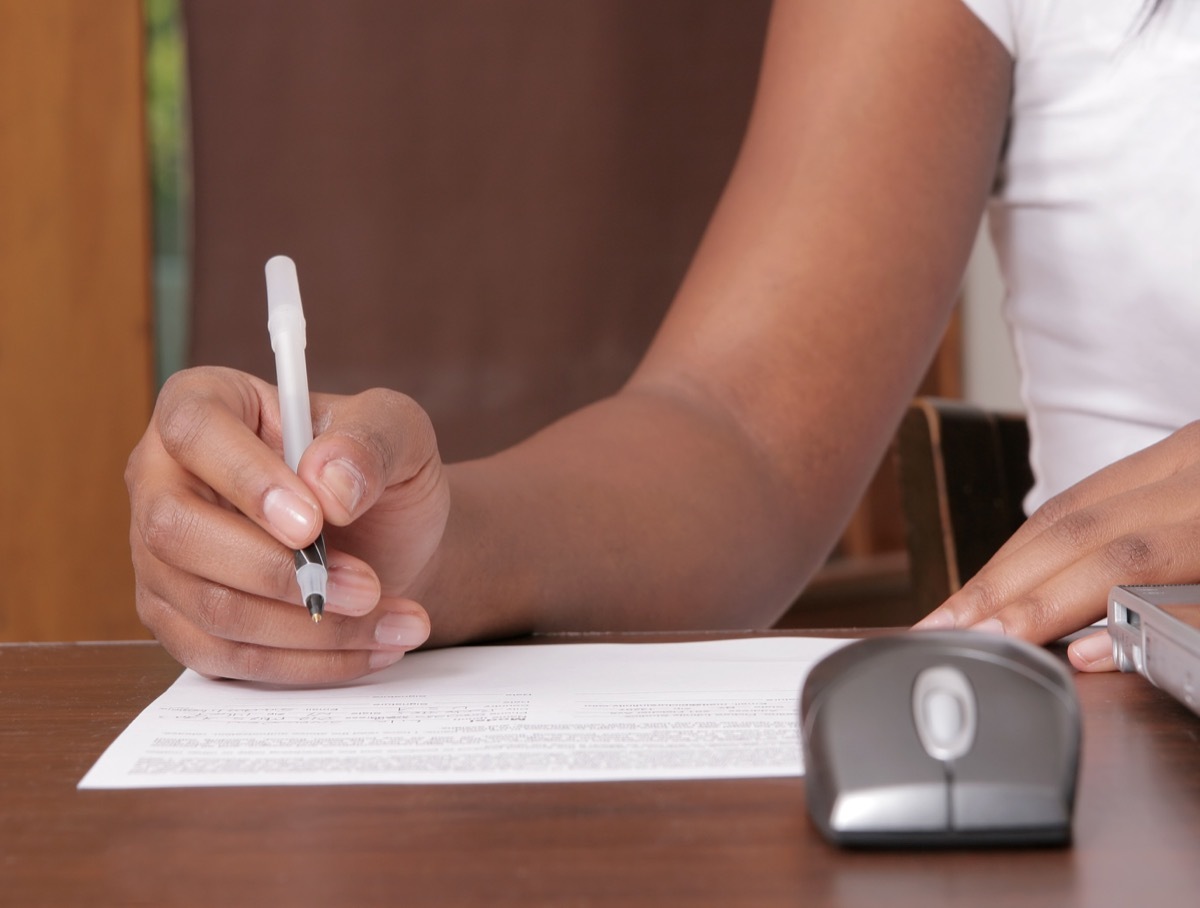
{"type": "Point", "coordinates": [490, 203]}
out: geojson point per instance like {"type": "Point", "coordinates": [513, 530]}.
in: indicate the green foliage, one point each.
{"type": "Point", "coordinates": [166, 129]}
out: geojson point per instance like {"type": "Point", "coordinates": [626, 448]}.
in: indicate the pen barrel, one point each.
{"type": "Point", "coordinates": [285, 323]}
{"type": "Point", "coordinates": [294, 409]}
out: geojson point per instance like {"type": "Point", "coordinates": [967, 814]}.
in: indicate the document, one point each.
{"type": "Point", "coordinates": [522, 713]}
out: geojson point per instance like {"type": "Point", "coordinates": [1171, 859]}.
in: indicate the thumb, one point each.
{"type": "Point", "coordinates": [367, 445]}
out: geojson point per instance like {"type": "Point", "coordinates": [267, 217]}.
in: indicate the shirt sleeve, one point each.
{"type": "Point", "coordinates": [997, 15]}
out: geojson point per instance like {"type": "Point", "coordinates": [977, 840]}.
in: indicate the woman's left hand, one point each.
{"type": "Point", "coordinates": [1135, 522]}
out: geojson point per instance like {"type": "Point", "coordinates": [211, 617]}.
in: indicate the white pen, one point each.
{"type": "Point", "coordinates": [285, 322]}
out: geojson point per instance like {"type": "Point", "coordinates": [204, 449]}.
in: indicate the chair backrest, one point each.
{"type": "Point", "coordinates": [490, 204]}
{"type": "Point", "coordinates": [963, 474]}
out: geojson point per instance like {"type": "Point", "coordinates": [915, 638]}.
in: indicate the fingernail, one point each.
{"type": "Point", "coordinates": [399, 629]}
{"type": "Point", "coordinates": [989, 626]}
{"type": "Point", "coordinates": [352, 590]}
{"type": "Point", "coordinates": [345, 482]}
{"type": "Point", "coordinates": [935, 621]}
{"type": "Point", "coordinates": [382, 659]}
{"type": "Point", "coordinates": [292, 516]}
{"type": "Point", "coordinates": [1092, 649]}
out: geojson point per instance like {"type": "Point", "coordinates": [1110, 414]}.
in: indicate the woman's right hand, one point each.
{"type": "Point", "coordinates": [216, 514]}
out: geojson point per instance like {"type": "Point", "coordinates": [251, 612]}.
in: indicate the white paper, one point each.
{"type": "Point", "coordinates": [555, 712]}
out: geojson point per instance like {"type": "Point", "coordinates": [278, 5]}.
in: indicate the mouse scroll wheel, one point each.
{"type": "Point", "coordinates": [944, 712]}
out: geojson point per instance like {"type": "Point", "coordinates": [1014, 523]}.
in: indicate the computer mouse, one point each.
{"type": "Point", "coordinates": [934, 738]}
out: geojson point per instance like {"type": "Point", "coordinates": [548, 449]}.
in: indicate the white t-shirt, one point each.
{"type": "Point", "coordinates": [1096, 222]}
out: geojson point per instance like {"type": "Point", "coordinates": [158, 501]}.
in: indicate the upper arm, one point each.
{"type": "Point", "coordinates": [831, 265]}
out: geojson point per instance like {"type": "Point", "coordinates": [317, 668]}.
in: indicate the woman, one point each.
{"type": "Point", "coordinates": [707, 491]}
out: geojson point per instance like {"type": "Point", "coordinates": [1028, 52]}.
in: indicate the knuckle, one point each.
{"type": "Point", "coordinates": [1051, 511]}
{"type": "Point", "coordinates": [166, 525]}
{"type": "Point", "coordinates": [1189, 435]}
{"type": "Point", "coordinates": [170, 628]}
{"type": "Point", "coordinates": [980, 596]}
{"type": "Point", "coordinates": [216, 611]}
{"type": "Point", "coordinates": [279, 571]}
{"type": "Point", "coordinates": [1133, 556]}
{"type": "Point", "coordinates": [336, 666]}
{"type": "Point", "coordinates": [1032, 612]}
{"type": "Point", "coordinates": [182, 418]}
{"type": "Point", "coordinates": [345, 632]}
{"type": "Point", "coordinates": [251, 662]}
{"type": "Point", "coordinates": [152, 611]}
{"type": "Point", "coordinates": [176, 385]}
{"type": "Point", "coordinates": [1078, 530]}
{"type": "Point", "coordinates": [245, 486]}
{"type": "Point", "coordinates": [261, 663]}
{"type": "Point", "coordinates": [395, 409]}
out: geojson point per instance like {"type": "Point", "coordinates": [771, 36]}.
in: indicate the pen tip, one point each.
{"type": "Point", "coordinates": [315, 603]}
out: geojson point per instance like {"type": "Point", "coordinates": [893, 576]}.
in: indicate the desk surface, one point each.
{"type": "Point", "coordinates": [729, 843]}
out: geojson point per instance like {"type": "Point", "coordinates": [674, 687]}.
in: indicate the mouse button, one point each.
{"type": "Point", "coordinates": [997, 805]}
{"type": "Point", "coordinates": [944, 712]}
{"type": "Point", "coordinates": [831, 672]}
{"type": "Point", "coordinates": [868, 709]}
{"type": "Point", "coordinates": [863, 734]}
{"type": "Point", "coordinates": [1022, 770]}
{"type": "Point", "coordinates": [1024, 728]}
{"type": "Point", "coordinates": [917, 807]}
{"type": "Point", "coordinates": [1032, 746]}
{"type": "Point", "coordinates": [860, 753]}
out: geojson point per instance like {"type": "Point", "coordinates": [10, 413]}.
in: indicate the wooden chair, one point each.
{"type": "Point", "coordinates": [963, 474]}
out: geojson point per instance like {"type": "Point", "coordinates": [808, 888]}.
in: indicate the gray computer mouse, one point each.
{"type": "Point", "coordinates": [941, 738]}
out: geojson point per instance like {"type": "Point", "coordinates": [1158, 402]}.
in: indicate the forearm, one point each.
{"type": "Point", "coordinates": [646, 510]}
{"type": "Point", "coordinates": [710, 489]}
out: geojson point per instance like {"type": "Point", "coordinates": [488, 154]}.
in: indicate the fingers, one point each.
{"type": "Point", "coordinates": [209, 421]}
{"type": "Point", "coordinates": [259, 660]}
{"type": "Point", "coordinates": [1137, 521]}
{"type": "Point", "coordinates": [1093, 653]}
{"type": "Point", "coordinates": [227, 632]}
{"type": "Point", "coordinates": [1152, 465]}
{"type": "Point", "coordinates": [205, 422]}
{"type": "Point", "coordinates": [199, 539]}
{"type": "Point", "coordinates": [216, 513]}
{"type": "Point", "coordinates": [1059, 580]}
{"type": "Point", "coordinates": [1077, 594]}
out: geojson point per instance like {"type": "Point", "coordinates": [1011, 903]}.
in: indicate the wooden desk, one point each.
{"type": "Point", "coordinates": [726, 843]}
